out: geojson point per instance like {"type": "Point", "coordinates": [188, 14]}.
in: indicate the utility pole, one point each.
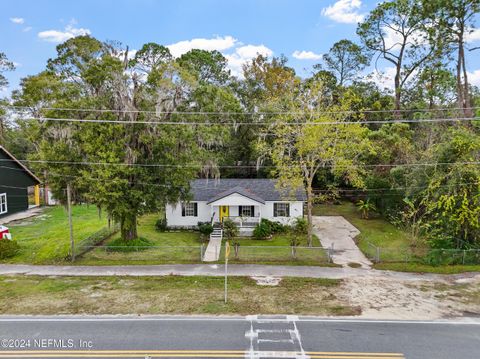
{"type": "Point", "coordinates": [45, 189]}
{"type": "Point", "coordinates": [227, 254]}
{"type": "Point", "coordinates": [69, 209]}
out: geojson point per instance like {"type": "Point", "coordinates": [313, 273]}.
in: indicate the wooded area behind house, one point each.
{"type": "Point", "coordinates": [129, 133]}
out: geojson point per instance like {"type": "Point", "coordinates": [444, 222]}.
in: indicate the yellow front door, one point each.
{"type": "Point", "coordinates": [224, 212]}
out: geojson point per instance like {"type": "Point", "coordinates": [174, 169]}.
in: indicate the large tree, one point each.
{"type": "Point", "coordinates": [5, 65]}
{"type": "Point", "coordinates": [455, 20]}
{"type": "Point", "coordinates": [398, 32]}
{"type": "Point", "coordinates": [315, 135]}
{"type": "Point", "coordinates": [346, 60]}
{"type": "Point", "coordinates": [123, 164]}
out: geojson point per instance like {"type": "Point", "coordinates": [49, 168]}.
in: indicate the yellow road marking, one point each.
{"type": "Point", "coordinates": [183, 354]}
{"type": "Point", "coordinates": [206, 355]}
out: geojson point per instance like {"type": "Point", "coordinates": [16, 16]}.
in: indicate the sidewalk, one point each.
{"type": "Point", "coordinates": [214, 270]}
{"type": "Point", "coordinates": [34, 211]}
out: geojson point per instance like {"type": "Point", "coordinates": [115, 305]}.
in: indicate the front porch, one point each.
{"type": "Point", "coordinates": [245, 217]}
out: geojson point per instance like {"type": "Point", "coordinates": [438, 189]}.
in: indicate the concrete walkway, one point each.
{"type": "Point", "coordinates": [338, 233]}
{"type": "Point", "coordinates": [212, 253]}
{"type": "Point", "coordinates": [34, 211]}
{"type": "Point", "coordinates": [214, 270]}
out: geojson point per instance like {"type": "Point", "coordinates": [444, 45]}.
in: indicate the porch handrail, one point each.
{"type": "Point", "coordinates": [241, 220]}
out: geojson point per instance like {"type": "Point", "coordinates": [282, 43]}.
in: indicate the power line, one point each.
{"type": "Point", "coordinates": [358, 190]}
{"type": "Point", "coordinates": [239, 113]}
{"type": "Point", "coordinates": [256, 123]}
{"type": "Point", "coordinates": [88, 163]}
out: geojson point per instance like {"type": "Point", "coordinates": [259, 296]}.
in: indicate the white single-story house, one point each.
{"type": "Point", "coordinates": [245, 201]}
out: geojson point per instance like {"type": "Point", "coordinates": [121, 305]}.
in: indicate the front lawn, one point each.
{"type": "Point", "coordinates": [163, 248]}
{"type": "Point", "coordinates": [279, 239]}
{"type": "Point", "coordinates": [45, 239]}
{"type": "Point", "coordinates": [186, 247]}
{"type": "Point", "coordinates": [394, 242]}
{"type": "Point", "coordinates": [169, 295]}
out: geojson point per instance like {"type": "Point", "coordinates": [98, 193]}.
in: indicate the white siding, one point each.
{"type": "Point", "coordinates": [175, 219]}
{"type": "Point", "coordinates": [296, 210]}
{"type": "Point", "coordinates": [174, 215]}
{"type": "Point", "coordinates": [235, 199]}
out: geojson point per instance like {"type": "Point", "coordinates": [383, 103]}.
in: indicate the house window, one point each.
{"type": "Point", "coordinates": [281, 209]}
{"type": "Point", "coordinates": [190, 209]}
{"type": "Point", "coordinates": [3, 203]}
{"type": "Point", "coordinates": [246, 211]}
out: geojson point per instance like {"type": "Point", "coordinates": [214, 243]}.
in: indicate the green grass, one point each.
{"type": "Point", "coordinates": [424, 268]}
{"type": "Point", "coordinates": [185, 247]}
{"type": "Point", "coordinates": [45, 239]}
{"type": "Point", "coordinates": [279, 239]}
{"type": "Point", "coordinates": [393, 241]}
{"type": "Point", "coordinates": [165, 247]}
{"type": "Point", "coordinates": [169, 295]}
{"type": "Point", "coordinates": [277, 251]}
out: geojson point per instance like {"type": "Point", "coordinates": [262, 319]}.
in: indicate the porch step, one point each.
{"type": "Point", "coordinates": [217, 234]}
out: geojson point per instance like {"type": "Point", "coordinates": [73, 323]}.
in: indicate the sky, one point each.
{"type": "Point", "coordinates": [302, 30]}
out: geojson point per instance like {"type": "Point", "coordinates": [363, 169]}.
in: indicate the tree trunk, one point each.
{"type": "Point", "coordinates": [128, 227]}
{"type": "Point", "coordinates": [466, 93]}
{"type": "Point", "coordinates": [309, 213]}
{"type": "Point", "coordinates": [398, 93]}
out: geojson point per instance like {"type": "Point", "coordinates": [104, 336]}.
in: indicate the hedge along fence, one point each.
{"type": "Point", "coordinates": [95, 239]}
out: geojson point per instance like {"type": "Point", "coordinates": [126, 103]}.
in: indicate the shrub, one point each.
{"type": "Point", "coordinates": [161, 224]}
{"type": "Point", "coordinates": [262, 230]}
{"type": "Point", "coordinates": [300, 226]}
{"type": "Point", "coordinates": [205, 228]}
{"type": "Point", "coordinates": [135, 245]}
{"type": "Point", "coordinates": [8, 248]}
{"type": "Point", "coordinates": [275, 227]}
{"type": "Point", "coordinates": [230, 229]}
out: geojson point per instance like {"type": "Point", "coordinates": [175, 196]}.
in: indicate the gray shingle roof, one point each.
{"type": "Point", "coordinates": [257, 189]}
{"type": "Point", "coordinates": [240, 190]}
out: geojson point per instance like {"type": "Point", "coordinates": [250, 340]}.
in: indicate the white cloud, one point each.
{"type": "Point", "coordinates": [244, 54]}
{"type": "Point", "coordinates": [61, 36]}
{"type": "Point", "coordinates": [394, 39]}
{"type": "Point", "coordinates": [218, 43]}
{"type": "Point", "coordinates": [384, 78]}
{"type": "Point", "coordinates": [344, 11]}
{"type": "Point", "coordinates": [27, 29]}
{"type": "Point", "coordinates": [306, 55]}
{"type": "Point", "coordinates": [17, 20]}
{"type": "Point", "coordinates": [474, 77]}
{"type": "Point", "coordinates": [473, 36]}
{"type": "Point", "coordinates": [240, 55]}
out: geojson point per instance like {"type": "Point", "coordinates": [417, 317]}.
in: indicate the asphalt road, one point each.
{"type": "Point", "coordinates": [223, 337]}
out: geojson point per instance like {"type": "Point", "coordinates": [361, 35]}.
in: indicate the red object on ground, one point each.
{"type": "Point", "coordinates": [3, 230]}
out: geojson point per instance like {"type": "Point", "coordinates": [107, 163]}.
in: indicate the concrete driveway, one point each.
{"type": "Point", "coordinates": [337, 232]}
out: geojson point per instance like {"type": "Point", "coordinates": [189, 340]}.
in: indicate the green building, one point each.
{"type": "Point", "coordinates": [16, 181]}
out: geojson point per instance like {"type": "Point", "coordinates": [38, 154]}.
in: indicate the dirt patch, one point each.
{"type": "Point", "coordinates": [384, 298]}
{"type": "Point", "coordinates": [268, 281]}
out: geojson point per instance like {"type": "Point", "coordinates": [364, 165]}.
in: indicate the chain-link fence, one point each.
{"type": "Point", "coordinates": [96, 238]}
{"type": "Point", "coordinates": [194, 254]}
{"type": "Point", "coordinates": [420, 255]}
{"type": "Point", "coordinates": [143, 254]}
{"type": "Point", "coordinates": [278, 255]}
